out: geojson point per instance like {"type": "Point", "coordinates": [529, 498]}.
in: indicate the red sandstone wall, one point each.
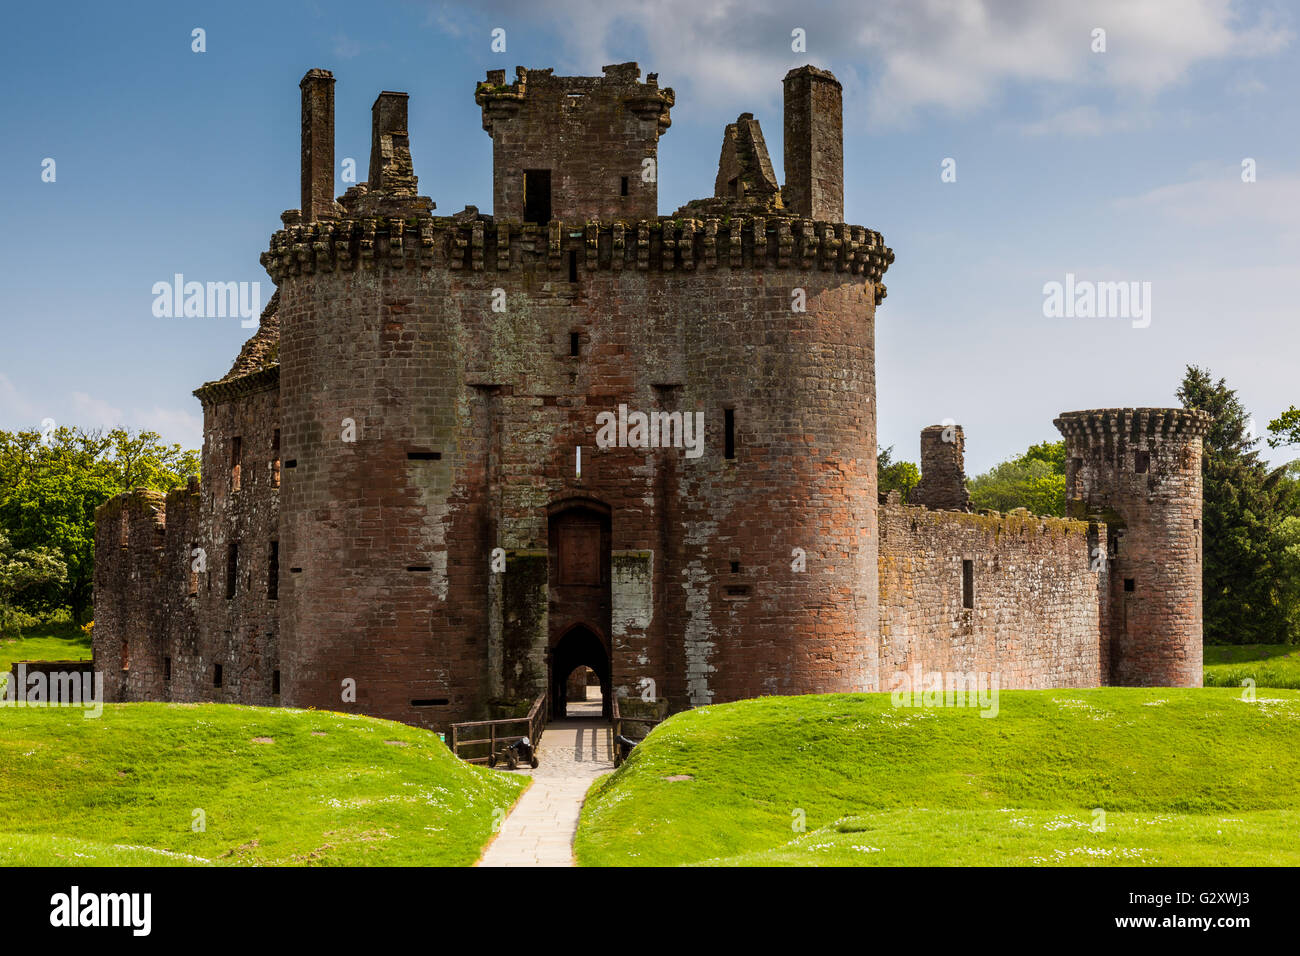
{"type": "Point", "coordinates": [1035, 616]}
{"type": "Point", "coordinates": [419, 360]}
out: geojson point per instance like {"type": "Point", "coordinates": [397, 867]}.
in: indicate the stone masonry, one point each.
{"type": "Point", "coordinates": [459, 459]}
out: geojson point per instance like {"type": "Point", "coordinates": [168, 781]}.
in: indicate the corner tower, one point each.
{"type": "Point", "coordinates": [1139, 469]}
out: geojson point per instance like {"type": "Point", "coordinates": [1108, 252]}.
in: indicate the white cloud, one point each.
{"type": "Point", "coordinates": [949, 54]}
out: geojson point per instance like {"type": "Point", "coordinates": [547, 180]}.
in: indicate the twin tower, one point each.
{"type": "Point", "coordinates": [407, 513]}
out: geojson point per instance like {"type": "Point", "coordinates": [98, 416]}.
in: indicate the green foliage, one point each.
{"type": "Point", "coordinates": [1251, 591]}
{"type": "Point", "coordinates": [900, 476]}
{"type": "Point", "coordinates": [29, 577]}
{"type": "Point", "coordinates": [1034, 480]}
{"type": "Point", "coordinates": [49, 490]}
{"type": "Point", "coordinates": [277, 787]}
{"type": "Point", "coordinates": [1285, 429]}
{"type": "Point", "coordinates": [1187, 776]}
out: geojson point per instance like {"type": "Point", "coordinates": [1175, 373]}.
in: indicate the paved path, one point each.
{"type": "Point", "coordinates": [539, 831]}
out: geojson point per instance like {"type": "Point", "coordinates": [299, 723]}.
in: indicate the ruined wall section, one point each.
{"type": "Point", "coordinates": [236, 595]}
{"type": "Point", "coordinates": [1035, 596]}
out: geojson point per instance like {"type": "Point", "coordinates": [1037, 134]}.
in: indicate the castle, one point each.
{"type": "Point", "coordinates": [452, 464]}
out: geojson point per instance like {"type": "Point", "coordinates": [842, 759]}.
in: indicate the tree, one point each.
{"type": "Point", "coordinates": [1034, 480]}
{"type": "Point", "coordinates": [51, 486]}
{"type": "Point", "coordinates": [27, 577]}
{"type": "Point", "coordinates": [1246, 583]}
{"type": "Point", "coordinates": [900, 476]}
{"type": "Point", "coordinates": [1285, 429]}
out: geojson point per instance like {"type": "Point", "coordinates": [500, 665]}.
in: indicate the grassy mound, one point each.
{"type": "Point", "coordinates": [1183, 777]}
{"type": "Point", "coordinates": [1268, 665]}
{"type": "Point", "coordinates": [274, 786]}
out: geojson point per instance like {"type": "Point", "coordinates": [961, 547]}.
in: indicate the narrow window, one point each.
{"type": "Point", "coordinates": [167, 668]}
{"type": "Point", "coordinates": [575, 343]}
{"type": "Point", "coordinates": [275, 682]}
{"type": "Point", "coordinates": [232, 568]}
{"type": "Point", "coordinates": [537, 195]}
{"type": "Point", "coordinates": [236, 454]}
{"type": "Point", "coordinates": [273, 573]}
{"type": "Point", "coordinates": [622, 189]}
{"type": "Point", "coordinates": [430, 702]}
{"type": "Point", "coordinates": [573, 265]}
{"type": "Point", "coordinates": [735, 567]}
{"type": "Point", "coordinates": [291, 463]}
{"type": "Point", "coordinates": [1141, 461]}
{"type": "Point", "coordinates": [124, 532]}
{"type": "Point", "coordinates": [275, 454]}
{"type": "Point", "coordinates": [1129, 585]}
{"type": "Point", "coordinates": [729, 441]}
{"type": "Point", "coordinates": [216, 675]}
{"type": "Point", "coordinates": [968, 584]}
{"type": "Point", "coordinates": [1196, 524]}
{"type": "Point", "coordinates": [126, 656]}
{"type": "Point", "coordinates": [194, 574]}
{"type": "Point", "coordinates": [424, 456]}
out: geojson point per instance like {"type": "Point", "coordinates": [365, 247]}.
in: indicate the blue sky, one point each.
{"type": "Point", "coordinates": [1123, 165]}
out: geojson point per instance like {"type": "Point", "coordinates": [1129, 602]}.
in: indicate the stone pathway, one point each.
{"type": "Point", "coordinates": [539, 831]}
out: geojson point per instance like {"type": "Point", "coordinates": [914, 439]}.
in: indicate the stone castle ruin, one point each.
{"type": "Point", "coordinates": [403, 492]}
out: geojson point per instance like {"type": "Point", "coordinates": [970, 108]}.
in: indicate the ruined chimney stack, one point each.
{"type": "Point", "coordinates": [814, 145]}
{"type": "Point", "coordinates": [317, 145]}
{"type": "Point", "coordinates": [943, 470]}
{"type": "Point", "coordinates": [391, 169]}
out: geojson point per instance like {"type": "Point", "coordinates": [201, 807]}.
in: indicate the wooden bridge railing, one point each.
{"type": "Point", "coordinates": [499, 732]}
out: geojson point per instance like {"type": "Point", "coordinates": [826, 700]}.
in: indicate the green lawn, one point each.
{"type": "Point", "coordinates": [1184, 777]}
{"type": "Point", "coordinates": [276, 787]}
{"type": "Point", "coordinates": [1269, 665]}
{"type": "Point", "coordinates": [59, 641]}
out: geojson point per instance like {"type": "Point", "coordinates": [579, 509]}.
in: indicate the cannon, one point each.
{"type": "Point", "coordinates": [623, 748]}
{"type": "Point", "coordinates": [514, 753]}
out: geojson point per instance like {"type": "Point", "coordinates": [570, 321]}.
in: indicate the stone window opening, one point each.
{"type": "Point", "coordinates": [1130, 585]}
{"type": "Point", "coordinates": [126, 656]}
{"type": "Point", "coordinates": [622, 188]}
{"type": "Point", "coordinates": [537, 196]}
{"type": "Point", "coordinates": [236, 454]}
{"type": "Point", "coordinates": [275, 463]}
{"type": "Point", "coordinates": [729, 433]}
{"type": "Point", "coordinates": [735, 567]}
{"type": "Point", "coordinates": [167, 668]}
{"type": "Point", "coordinates": [575, 344]}
{"type": "Point", "coordinates": [216, 675]}
{"type": "Point", "coordinates": [1141, 461]}
{"type": "Point", "coordinates": [194, 575]}
{"type": "Point", "coordinates": [573, 265]}
{"type": "Point", "coordinates": [968, 585]}
{"type": "Point", "coordinates": [430, 702]}
{"type": "Point", "coordinates": [124, 531]}
{"type": "Point", "coordinates": [273, 573]}
{"type": "Point", "coordinates": [232, 569]}
{"type": "Point", "coordinates": [275, 683]}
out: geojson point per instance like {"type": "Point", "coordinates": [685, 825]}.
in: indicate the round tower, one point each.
{"type": "Point", "coordinates": [1139, 471]}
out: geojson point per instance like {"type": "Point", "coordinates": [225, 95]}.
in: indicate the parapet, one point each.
{"type": "Point", "coordinates": [667, 245]}
{"type": "Point", "coordinates": [1110, 424]}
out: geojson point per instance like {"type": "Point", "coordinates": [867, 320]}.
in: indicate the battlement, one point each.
{"type": "Point", "coordinates": [1108, 424]}
{"type": "Point", "coordinates": [620, 84]}
{"type": "Point", "coordinates": [478, 243]}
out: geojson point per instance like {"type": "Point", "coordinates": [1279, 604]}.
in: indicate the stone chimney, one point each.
{"type": "Point", "coordinates": [943, 470]}
{"type": "Point", "coordinates": [317, 146]}
{"type": "Point", "coordinates": [814, 145]}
